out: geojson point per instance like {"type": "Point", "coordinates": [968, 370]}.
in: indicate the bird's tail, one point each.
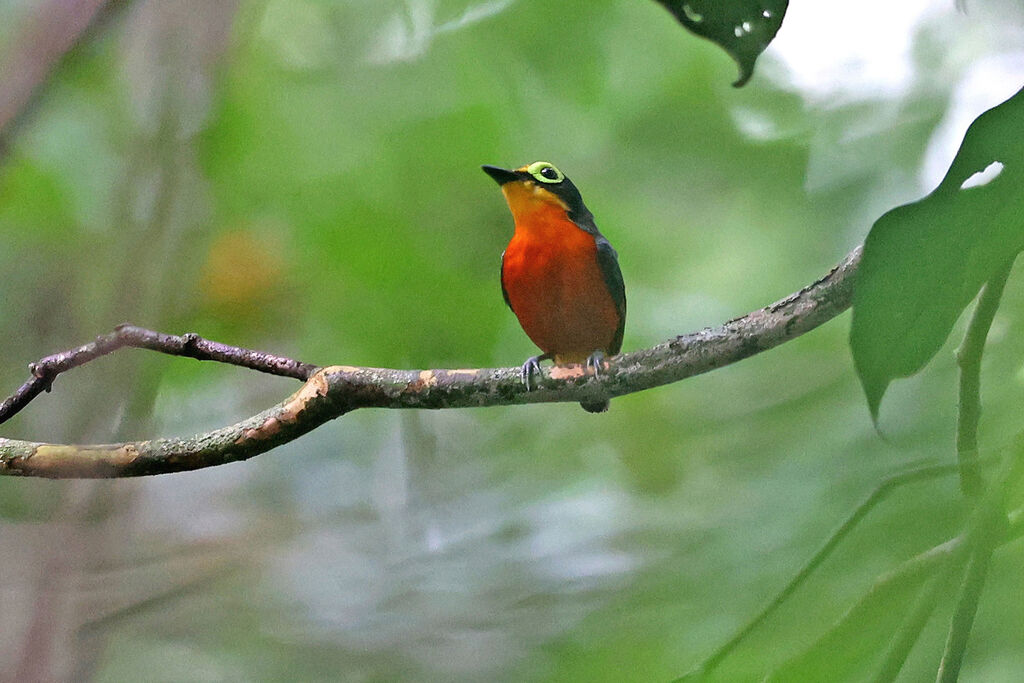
{"type": "Point", "coordinates": [595, 406]}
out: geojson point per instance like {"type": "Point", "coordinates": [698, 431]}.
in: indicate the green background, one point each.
{"type": "Point", "coordinates": [303, 177]}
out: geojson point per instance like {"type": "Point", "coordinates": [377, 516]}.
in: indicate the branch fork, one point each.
{"type": "Point", "coordinates": [330, 392]}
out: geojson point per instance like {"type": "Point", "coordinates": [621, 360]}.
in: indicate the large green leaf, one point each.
{"type": "Point", "coordinates": [853, 647]}
{"type": "Point", "coordinates": [743, 28]}
{"type": "Point", "coordinates": [925, 261]}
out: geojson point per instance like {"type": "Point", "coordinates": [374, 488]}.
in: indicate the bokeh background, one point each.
{"type": "Point", "coordinates": [303, 176]}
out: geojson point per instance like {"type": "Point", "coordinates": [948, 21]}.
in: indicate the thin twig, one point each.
{"type": "Point", "coordinates": [989, 526]}
{"type": "Point", "coordinates": [917, 569]}
{"type": "Point", "coordinates": [990, 516]}
{"type": "Point", "coordinates": [963, 617]}
{"type": "Point", "coordinates": [219, 570]}
{"type": "Point", "coordinates": [945, 557]}
{"type": "Point", "coordinates": [333, 391]}
{"type": "Point", "coordinates": [909, 631]}
{"type": "Point", "coordinates": [873, 499]}
{"type": "Point", "coordinates": [190, 345]}
{"type": "Point", "coordinates": [969, 359]}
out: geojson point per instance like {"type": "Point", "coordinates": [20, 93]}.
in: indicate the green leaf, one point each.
{"type": "Point", "coordinates": [743, 28]}
{"type": "Point", "coordinates": [924, 262]}
{"type": "Point", "coordinates": [850, 650]}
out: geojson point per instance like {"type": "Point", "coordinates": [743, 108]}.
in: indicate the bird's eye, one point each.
{"type": "Point", "coordinates": [545, 172]}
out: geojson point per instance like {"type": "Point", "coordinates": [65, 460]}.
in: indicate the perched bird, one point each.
{"type": "Point", "coordinates": [559, 274]}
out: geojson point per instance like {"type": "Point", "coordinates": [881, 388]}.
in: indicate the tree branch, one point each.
{"type": "Point", "coordinates": [333, 391]}
{"type": "Point", "coordinates": [191, 345]}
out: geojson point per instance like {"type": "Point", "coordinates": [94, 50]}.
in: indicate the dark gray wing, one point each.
{"type": "Point", "coordinates": [608, 260]}
{"type": "Point", "coordinates": [504, 292]}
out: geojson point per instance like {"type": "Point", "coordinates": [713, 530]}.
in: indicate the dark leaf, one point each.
{"type": "Point", "coordinates": [743, 28]}
{"type": "Point", "coordinates": [925, 261]}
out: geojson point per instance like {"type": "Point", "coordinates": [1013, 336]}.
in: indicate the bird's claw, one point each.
{"type": "Point", "coordinates": [595, 362]}
{"type": "Point", "coordinates": [531, 366]}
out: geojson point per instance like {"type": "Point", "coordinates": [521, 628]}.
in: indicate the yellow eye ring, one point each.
{"type": "Point", "coordinates": [545, 172]}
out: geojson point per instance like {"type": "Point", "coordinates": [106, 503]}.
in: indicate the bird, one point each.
{"type": "Point", "coordinates": [559, 274]}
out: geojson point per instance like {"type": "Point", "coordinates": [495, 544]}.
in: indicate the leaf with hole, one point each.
{"type": "Point", "coordinates": [743, 28]}
{"type": "Point", "coordinates": [925, 261]}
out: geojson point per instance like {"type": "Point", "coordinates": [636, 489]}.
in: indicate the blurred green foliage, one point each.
{"type": "Point", "coordinates": [303, 176]}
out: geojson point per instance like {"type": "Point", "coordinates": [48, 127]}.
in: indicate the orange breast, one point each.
{"type": "Point", "coordinates": [555, 285]}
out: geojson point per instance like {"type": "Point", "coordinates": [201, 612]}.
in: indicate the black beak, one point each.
{"type": "Point", "coordinates": [501, 175]}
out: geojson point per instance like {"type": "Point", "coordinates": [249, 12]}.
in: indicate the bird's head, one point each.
{"type": "Point", "coordinates": [537, 185]}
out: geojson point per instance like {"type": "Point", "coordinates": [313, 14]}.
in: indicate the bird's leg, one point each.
{"type": "Point", "coordinates": [595, 361]}
{"type": "Point", "coordinates": [531, 366]}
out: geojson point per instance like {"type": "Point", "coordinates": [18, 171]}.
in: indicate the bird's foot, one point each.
{"type": "Point", "coordinates": [596, 362]}
{"type": "Point", "coordinates": [531, 366]}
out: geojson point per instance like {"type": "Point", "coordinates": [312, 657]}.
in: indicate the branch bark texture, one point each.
{"type": "Point", "coordinates": [331, 392]}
